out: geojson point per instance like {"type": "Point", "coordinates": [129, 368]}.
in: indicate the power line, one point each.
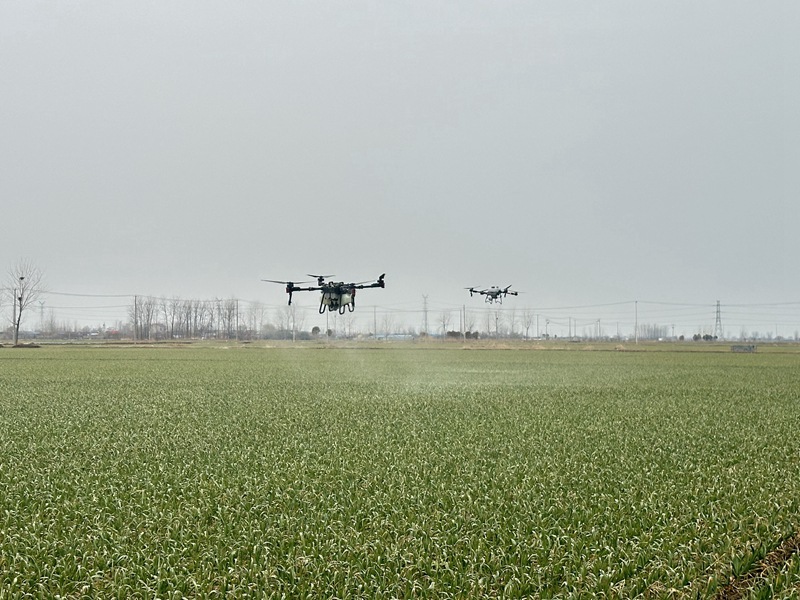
{"type": "Point", "coordinates": [89, 295]}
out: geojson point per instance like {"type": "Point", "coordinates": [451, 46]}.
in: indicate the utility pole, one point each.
{"type": "Point", "coordinates": [425, 313]}
{"type": "Point", "coordinates": [636, 321]}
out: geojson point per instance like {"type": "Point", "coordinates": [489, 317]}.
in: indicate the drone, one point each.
{"type": "Point", "coordinates": [336, 296]}
{"type": "Point", "coordinates": [493, 294]}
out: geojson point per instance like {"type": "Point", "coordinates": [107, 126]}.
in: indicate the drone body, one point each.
{"type": "Point", "coordinates": [492, 294]}
{"type": "Point", "coordinates": [336, 296]}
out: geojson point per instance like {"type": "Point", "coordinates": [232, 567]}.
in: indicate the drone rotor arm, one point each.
{"type": "Point", "coordinates": [361, 285]}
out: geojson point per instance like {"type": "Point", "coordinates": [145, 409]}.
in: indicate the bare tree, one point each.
{"type": "Point", "coordinates": [444, 319]}
{"type": "Point", "coordinates": [348, 322]}
{"type": "Point", "coordinates": [25, 279]}
{"type": "Point", "coordinates": [511, 319]}
{"type": "Point", "coordinates": [387, 324]}
{"type": "Point", "coordinates": [51, 326]}
{"type": "Point", "coordinates": [285, 317]}
{"type": "Point", "coordinates": [290, 320]}
{"type": "Point", "coordinates": [185, 318]}
{"type": "Point", "coordinates": [469, 321]}
{"type": "Point", "coordinates": [256, 316]}
{"type": "Point", "coordinates": [528, 318]}
{"type": "Point", "coordinates": [142, 314]}
{"type": "Point", "coordinates": [231, 317]}
{"type": "Point", "coordinates": [219, 320]}
{"type": "Point", "coordinates": [498, 314]}
{"type": "Point", "coordinates": [171, 311]}
{"type": "Point", "coordinates": [299, 320]}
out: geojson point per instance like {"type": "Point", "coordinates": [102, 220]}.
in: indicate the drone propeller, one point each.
{"type": "Point", "coordinates": [320, 278]}
{"type": "Point", "coordinates": [473, 290]}
{"type": "Point", "coordinates": [291, 283]}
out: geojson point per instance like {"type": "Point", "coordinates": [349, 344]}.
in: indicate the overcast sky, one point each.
{"type": "Point", "coordinates": [585, 152]}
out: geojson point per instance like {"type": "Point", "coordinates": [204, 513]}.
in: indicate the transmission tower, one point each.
{"type": "Point", "coordinates": [718, 324]}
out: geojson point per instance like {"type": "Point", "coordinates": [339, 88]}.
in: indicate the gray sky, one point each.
{"type": "Point", "coordinates": [584, 152]}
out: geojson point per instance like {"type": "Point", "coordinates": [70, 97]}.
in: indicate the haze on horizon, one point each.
{"type": "Point", "coordinates": [586, 154]}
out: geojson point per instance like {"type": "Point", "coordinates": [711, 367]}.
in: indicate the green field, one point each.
{"type": "Point", "coordinates": [396, 472]}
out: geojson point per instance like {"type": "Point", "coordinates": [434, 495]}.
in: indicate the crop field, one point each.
{"type": "Point", "coordinates": [398, 472]}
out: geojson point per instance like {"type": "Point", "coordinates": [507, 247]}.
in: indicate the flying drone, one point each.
{"type": "Point", "coordinates": [338, 296]}
{"type": "Point", "coordinates": [493, 294]}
